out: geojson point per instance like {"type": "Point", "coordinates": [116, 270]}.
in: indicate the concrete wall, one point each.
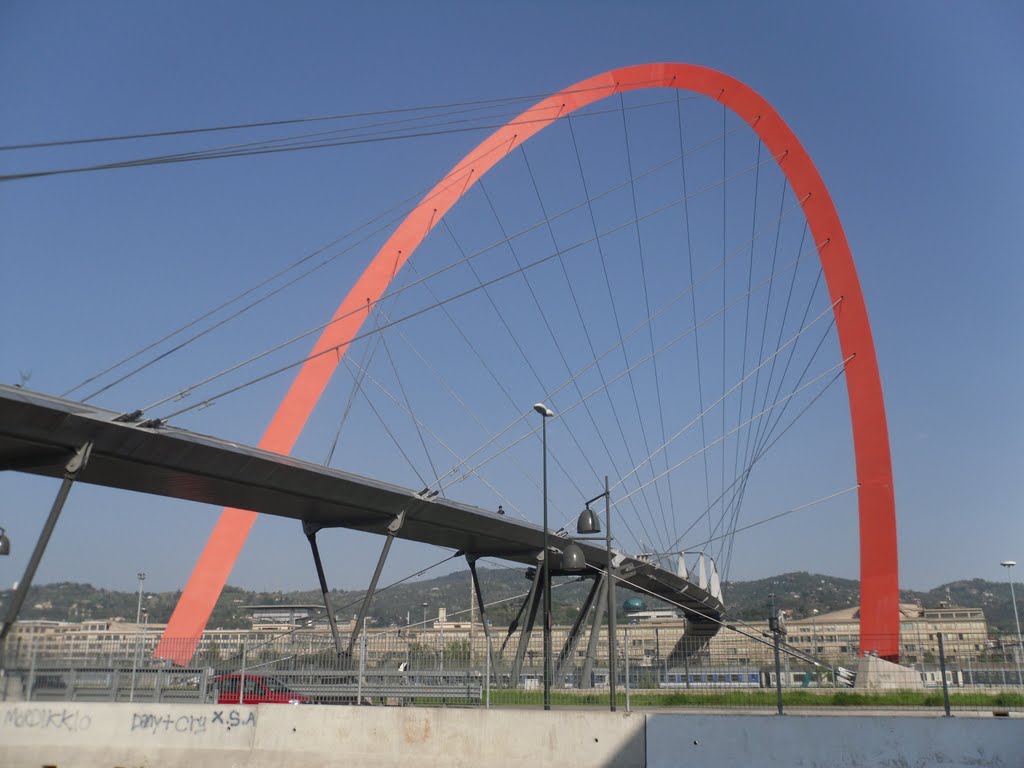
{"type": "Point", "coordinates": [213, 736]}
{"type": "Point", "coordinates": [827, 741]}
{"type": "Point", "coordinates": [273, 735]}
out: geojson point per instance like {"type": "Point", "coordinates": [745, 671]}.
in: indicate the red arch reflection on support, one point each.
{"type": "Point", "coordinates": [879, 615]}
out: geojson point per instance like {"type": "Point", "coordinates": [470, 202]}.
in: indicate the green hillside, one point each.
{"type": "Point", "coordinates": [748, 600]}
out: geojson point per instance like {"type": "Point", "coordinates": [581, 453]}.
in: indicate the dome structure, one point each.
{"type": "Point", "coordinates": [634, 605]}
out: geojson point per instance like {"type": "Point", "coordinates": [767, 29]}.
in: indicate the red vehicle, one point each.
{"type": "Point", "coordinates": [259, 689]}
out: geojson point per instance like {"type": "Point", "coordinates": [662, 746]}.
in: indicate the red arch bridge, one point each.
{"type": "Point", "coordinates": [62, 438]}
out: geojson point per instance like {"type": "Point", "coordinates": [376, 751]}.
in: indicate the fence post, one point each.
{"type": "Point", "coordinates": [774, 624]}
{"type": "Point", "coordinates": [31, 673]}
{"type": "Point", "coordinates": [625, 645]}
{"type": "Point", "coordinates": [942, 670]}
{"type": "Point", "coordinates": [362, 667]}
{"type": "Point", "coordinates": [241, 678]}
{"type": "Point", "coordinates": [204, 683]}
{"type": "Point", "coordinates": [686, 659]}
{"type": "Point", "coordinates": [135, 663]}
{"type": "Point", "coordinates": [487, 675]}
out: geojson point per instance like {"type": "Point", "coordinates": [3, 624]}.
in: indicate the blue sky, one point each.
{"type": "Point", "coordinates": [908, 112]}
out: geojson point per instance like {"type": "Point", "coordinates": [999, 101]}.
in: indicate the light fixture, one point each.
{"type": "Point", "coordinates": [543, 410]}
{"type": "Point", "coordinates": [5, 543]}
{"type": "Point", "coordinates": [588, 522]}
{"type": "Point", "coordinates": [573, 558]}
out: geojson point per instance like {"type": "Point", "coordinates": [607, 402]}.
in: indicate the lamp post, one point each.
{"type": "Point", "coordinates": [588, 522]}
{"type": "Point", "coordinates": [545, 414]}
{"type": "Point", "coordinates": [1008, 564]}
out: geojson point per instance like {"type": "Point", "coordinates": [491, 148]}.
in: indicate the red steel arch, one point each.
{"type": "Point", "coordinates": [879, 614]}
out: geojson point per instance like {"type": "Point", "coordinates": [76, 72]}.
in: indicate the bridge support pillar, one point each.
{"type": "Point", "coordinates": [393, 528]}
{"type": "Point", "coordinates": [311, 532]}
{"type": "Point", "coordinates": [531, 606]}
{"type": "Point", "coordinates": [71, 470]}
{"type": "Point", "coordinates": [587, 676]}
{"type": "Point", "coordinates": [565, 658]}
{"type": "Point", "coordinates": [471, 560]}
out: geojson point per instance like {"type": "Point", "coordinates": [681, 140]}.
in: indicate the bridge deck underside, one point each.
{"type": "Point", "coordinates": [38, 434]}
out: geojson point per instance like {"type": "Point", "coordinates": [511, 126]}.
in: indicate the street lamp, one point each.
{"type": "Point", "coordinates": [589, 523]}
{"type": "Point", "coordinates": [1008, 564]}
{"type": "Point", "coordinates": [546, 413]}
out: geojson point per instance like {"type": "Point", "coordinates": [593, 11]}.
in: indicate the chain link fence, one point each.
{"type": "Point", "coordinates": [655, 666]}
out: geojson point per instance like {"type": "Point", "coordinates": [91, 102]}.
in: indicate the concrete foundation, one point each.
{"type": "Point", "coordinates": [878, 674]}
{"type": "Point", "coordinates": [192, 736]}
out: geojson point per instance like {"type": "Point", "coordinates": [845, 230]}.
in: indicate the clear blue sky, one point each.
{"type": "Point", "coordinates": [911, 114]}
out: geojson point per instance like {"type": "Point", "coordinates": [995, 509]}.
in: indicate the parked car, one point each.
{"type": "Point", "coordinates": [259, 689]}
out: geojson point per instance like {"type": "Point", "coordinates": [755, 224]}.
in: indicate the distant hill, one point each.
{"type": "Point", "coordinates": [748, 600]}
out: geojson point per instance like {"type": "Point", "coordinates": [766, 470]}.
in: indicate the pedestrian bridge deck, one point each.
{"type": "Point", "coordinates": [39, 433]}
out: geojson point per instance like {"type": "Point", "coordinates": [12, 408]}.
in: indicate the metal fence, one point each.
{"type": "Point", "coordinates": [656, 666]}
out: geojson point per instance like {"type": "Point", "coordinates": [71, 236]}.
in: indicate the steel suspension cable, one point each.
{"type": "Point", "coordinates": [427, 277]}
{"type": "Point", "coordinates": [764, 325]}
{"type": "Point", "coordinates": [693, 303]}
{"type": "Point", "coordinates": [564, 411]}
{"type": "Point", "coordinates": [738, 385]}
{"type": "Point", "coordinates": [650, 326]}
{"type": "Point", "coordinates": [839, 365]}
{"type": "Point", "coordinates": [515, 341]}
{"type": "Point", "coordinates": [289, 121]}
{"type": "Point", "coordinates": [590, 344]}
{"type": "Point", "coordinates": [746, 316]}
{"type": "Point", "coordinates": [689, 289]}
{"type": "Point", "coordinates": [358, 380]}
{"type": "Point", "coordinates": [437, 439]}
{"type": "Point", "coordinates": [209, 313]}
{"type": "Point", "coordinates": [372, 138]}
{"type": "Point", "coordinates": [725, 146]}
{"type": "Point", "coordinates": [761, 454]}
{"type": "Point", "coordinates": [465, 406]}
